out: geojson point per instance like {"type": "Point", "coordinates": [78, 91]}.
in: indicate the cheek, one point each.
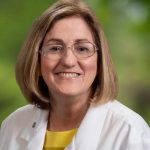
{"type": "Point", "coordinates": [90, 68]}
{"type": "Point", "coordinates": [46, 69]}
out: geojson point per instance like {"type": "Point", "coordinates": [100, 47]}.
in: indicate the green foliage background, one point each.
{"type": "Point", "coordinates": [127, 27]}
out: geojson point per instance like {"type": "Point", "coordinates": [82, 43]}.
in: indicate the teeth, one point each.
{"type": "Point", "coordinates": [69, 75]}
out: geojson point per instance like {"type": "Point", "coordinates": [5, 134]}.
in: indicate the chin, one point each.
{"type": "Point", "coordinates": [73, 92]}
{"type": "Point", "coordinates": [69, 93]}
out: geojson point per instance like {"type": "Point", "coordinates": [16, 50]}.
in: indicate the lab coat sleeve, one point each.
{"type": "Point", "coordinates": [3, 143]}
{"type": "Point", "coordinates": [139, 138]}
{"type": "Point", "coordinates": [139, 142]}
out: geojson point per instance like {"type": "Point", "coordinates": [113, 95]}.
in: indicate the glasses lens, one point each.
{"type": "Point", "coordinates": [83, 50]}
{"type": "Point", "coordinates": [53, 51]}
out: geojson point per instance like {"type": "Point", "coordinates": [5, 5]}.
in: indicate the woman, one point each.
{"type": "Point", "coordinates": [65, 72]}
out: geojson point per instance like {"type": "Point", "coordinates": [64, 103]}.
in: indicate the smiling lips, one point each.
{"type": "Point", "coordinates": [68, 74]}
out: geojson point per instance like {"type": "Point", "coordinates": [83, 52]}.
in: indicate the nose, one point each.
{"type": "Point", "coordinates": [69, 59]}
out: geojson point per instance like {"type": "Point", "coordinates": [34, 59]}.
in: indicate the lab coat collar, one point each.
{"type": "Point", "coordinates": [38, 120]}
{"type": "Point", "coordinates": [88, 134]}
{"type": "Point", "coordinates": [86, 137]}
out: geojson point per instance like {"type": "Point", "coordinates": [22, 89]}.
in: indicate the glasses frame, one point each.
{"type": "Point", "coordinates": [41, 51]}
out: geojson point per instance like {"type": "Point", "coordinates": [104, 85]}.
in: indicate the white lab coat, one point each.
{"type": "Point", "coordinates": [111, 126]}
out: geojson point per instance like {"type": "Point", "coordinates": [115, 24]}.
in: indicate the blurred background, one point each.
{"type": "Point", "coordinates": [127, 27]}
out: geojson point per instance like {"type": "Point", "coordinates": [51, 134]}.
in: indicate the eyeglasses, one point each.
{"type": "Point", "coordinates": [81, 50]}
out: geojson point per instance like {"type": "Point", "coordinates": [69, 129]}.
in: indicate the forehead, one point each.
{"type": "Point", "coordinates": [69, 29]}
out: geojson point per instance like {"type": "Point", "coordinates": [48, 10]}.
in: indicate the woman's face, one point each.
{"type": "Point", "coordinates": [69, 76]}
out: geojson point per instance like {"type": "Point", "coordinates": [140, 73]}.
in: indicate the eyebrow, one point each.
{"type": "Point", "coordinates": [55, 40]}
{"type": "Point", "coordinates": [81, 40]}
{"type": "Point", "coordinates": [61, 41]}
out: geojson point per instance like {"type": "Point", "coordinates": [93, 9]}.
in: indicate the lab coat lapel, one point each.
{"type": "Point", "coordinates": [34, 133]}
{"type": "Point", "coordinates": [89, 131]}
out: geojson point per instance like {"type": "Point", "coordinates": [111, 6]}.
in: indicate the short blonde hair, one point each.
{"type": "Point", "coordinates": [28, 74]}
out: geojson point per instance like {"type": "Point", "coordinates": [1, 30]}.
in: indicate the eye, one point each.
{"type": "Point", "coordinates": [82, 49]}
{"type": "Point", "coordinates": [54, 48]}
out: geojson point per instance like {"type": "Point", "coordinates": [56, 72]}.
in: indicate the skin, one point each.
{"type": "Point", "coordinates": [68, 79]}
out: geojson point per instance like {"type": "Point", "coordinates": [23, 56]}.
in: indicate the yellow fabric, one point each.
{"type": "Point", "coordinates": [58, 140]}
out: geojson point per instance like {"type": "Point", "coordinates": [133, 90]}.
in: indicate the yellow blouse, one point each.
{"type": "Point", "coordinates": [58, 140]}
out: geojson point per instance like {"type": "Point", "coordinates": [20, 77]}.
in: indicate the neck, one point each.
{"type": "Point", "coordinates": [66, 114]}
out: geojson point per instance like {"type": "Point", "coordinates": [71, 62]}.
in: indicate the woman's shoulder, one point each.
{"type": "Point", "coordinates": [124, 128]}
{"type": "Point", "coordinates": [23, 109]}
{"type": "Point", "coordinates": [22, 116]}
{"type": "Point", "coordinates": [122, 114]}
{"type": "Point", "coordinates": [19, 114]}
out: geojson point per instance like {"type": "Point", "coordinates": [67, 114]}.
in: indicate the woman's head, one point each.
{"type": "Point", "coordinates": [28, 68]}
{"type": "Point", "coordinates": [69, 60]}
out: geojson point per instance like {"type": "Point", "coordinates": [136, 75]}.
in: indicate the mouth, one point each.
{"type": "Point", "coordinates": [68, 74]}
